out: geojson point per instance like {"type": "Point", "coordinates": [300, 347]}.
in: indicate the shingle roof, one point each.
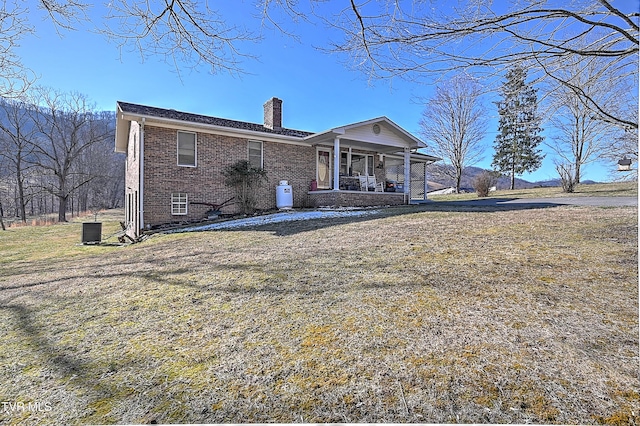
{"type": "Point", "coordinates": [204, 119]}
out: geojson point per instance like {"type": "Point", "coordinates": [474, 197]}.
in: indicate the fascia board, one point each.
{"type": "Point", "coordinates": [330, 134]}
{"type": "Point", "coordinates": [122, 132]}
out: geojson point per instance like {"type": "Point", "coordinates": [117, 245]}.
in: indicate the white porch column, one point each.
{"type": "Point", "coordinates": [407, 175]}
{"type": "Point", "coordinates": [336, 164]}
{"type": "Point", "coordinates": [426, 183]}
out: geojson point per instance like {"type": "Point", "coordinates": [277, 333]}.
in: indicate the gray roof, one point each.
{"type": "Point", "coordinates": [172, 114]}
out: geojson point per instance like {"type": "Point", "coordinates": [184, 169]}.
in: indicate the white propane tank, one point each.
{"type": "Point", "coordinates": [284, 195]}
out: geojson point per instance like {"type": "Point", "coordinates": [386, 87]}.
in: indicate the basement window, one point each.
{"type": "Point", "coordinates": [179, 202]}
{"type": "Point", "coordinates": [186, 149]}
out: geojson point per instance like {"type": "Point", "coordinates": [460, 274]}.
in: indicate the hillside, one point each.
{"type": "Point", "coordinates": [438, 179]}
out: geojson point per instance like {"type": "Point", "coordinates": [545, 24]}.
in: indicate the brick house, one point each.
{"type": "Point", "coordinates": [175, 162]}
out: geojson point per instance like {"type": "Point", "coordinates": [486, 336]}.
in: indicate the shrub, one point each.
{"type": "Point", "coordinates": [483, 183]}
{"type": "Point", "coordinates": [245, 180]}
{"type": "Point", "coordinates": [567, 176]}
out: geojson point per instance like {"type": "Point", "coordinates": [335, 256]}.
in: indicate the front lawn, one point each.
{"type": "Point", "coordinates": [414, 316]}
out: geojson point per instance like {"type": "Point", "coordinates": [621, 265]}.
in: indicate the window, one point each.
{"type": "Point", "coordinates": [344, 164]}
{"type": "Point", "coordinates": [362, 165]}
{"type": "Point", "coordinates": [186, 149]}
{"type": "Point", "coordinates": [255, 154]}
{"type": "Point", "coordinates": [179, 203]}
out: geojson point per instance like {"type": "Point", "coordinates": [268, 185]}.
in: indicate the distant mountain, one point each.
{"type": "Point", "coordinates": [438, 179]}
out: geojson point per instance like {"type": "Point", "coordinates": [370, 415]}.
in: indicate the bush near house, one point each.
{"type": "Point", "coordinates": [245, 181]}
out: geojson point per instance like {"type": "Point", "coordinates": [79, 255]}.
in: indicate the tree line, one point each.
{"type": "Point", "coordinates": [585, 53]}
{"type": "Point", "coordinates": [57, 156]}
{"type": "Point", "coordinates": [455, 120]}
{"type": "Point", "coordinates": [416, 40]}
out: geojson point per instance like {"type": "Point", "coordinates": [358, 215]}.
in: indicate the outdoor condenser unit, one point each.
{"type": "Point", "coordinates": [91, 232]}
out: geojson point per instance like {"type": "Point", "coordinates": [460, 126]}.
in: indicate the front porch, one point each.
{"type": "Point", "coordinates": [395, 179]}
{"type": "Point", "coordinates": [371, 163]}
{"type": "Point", "coordinates": [355, 198]}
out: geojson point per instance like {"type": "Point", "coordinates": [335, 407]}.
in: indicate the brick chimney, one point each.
{"type": "Point", "coordinates": [273, 114]}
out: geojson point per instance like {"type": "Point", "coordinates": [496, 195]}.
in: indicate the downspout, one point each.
{"type": "Point", "coordinates": [141, 191]}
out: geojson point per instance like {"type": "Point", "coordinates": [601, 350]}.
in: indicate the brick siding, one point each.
{"type": "Point", "coordinates": [354, 198]}
{"type": "Point", "coordinates": [205, 182]}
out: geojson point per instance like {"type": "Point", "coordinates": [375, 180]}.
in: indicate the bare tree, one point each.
{"type": "Point", "coordinates": [417, 38]}
{"type": "Point", "coordinates": [183, 31]}
{"type": "Point", "coordinates": [582, 137]}
{"type": "Point", "coordinates": [454, 122]}
{"type": "Point", "coordinates": [68, 126]}
{"type": "Point", "coordinates": [3, 189]}
{"type": "Point", "coordinates": [99, 160]}
{"type": "Point", "coordinates": [14, 79]}
{"type": "Point", "coordinates": [17, 134]}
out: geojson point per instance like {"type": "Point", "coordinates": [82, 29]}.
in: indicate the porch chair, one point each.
{"type": "Point", "coordinates": [368, 183]}
{"type": "Point", "coordinates": [364, 182]}
{"type": "Point", "coordinates": [377, 186]}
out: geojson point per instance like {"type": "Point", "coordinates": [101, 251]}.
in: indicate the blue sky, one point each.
{"type": "Point", "coordinates": [318, 90]}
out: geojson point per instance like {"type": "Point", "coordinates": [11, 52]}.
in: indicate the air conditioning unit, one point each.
{"type": "Point", "coordinates": [91, 232]}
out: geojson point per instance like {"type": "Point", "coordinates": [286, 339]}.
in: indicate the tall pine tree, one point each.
{"type": "Point", "coordinates": [518, 138]}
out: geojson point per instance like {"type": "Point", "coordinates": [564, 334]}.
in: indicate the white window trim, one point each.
{"type": "Point", "coordinates": [175, 205]}
{"type": "Point", "coordinates": [261, 151]}
{"type": "Point", "coordinates": [366, 162]}
{"type": "Point", "coordinates": [195, 149]}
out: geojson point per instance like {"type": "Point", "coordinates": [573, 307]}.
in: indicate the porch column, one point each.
{"type": "Point", "coordinates": [336, 164]}
{"type": "Point", "coordinates": [426, 184]}
{"type": "Point", "coordinates": [407, 175]}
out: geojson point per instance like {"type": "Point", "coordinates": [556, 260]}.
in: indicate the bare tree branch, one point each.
{"type": "Point", "coordinates": [180, 30]}
{"type": "Point", "coordinates": [415, 39]}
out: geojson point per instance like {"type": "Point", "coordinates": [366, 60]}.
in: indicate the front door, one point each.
{"type": "Point", "coordinates": [324, 169]}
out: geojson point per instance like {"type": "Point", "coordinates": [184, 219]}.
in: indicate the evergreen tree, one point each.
{"type": "Point", "coordinates": [518, 138]}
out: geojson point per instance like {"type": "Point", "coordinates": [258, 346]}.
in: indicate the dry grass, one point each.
{"type": "Point", "coordinates": [618, 189]}
{"type": "Point", "coordinates": [428, 316]}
